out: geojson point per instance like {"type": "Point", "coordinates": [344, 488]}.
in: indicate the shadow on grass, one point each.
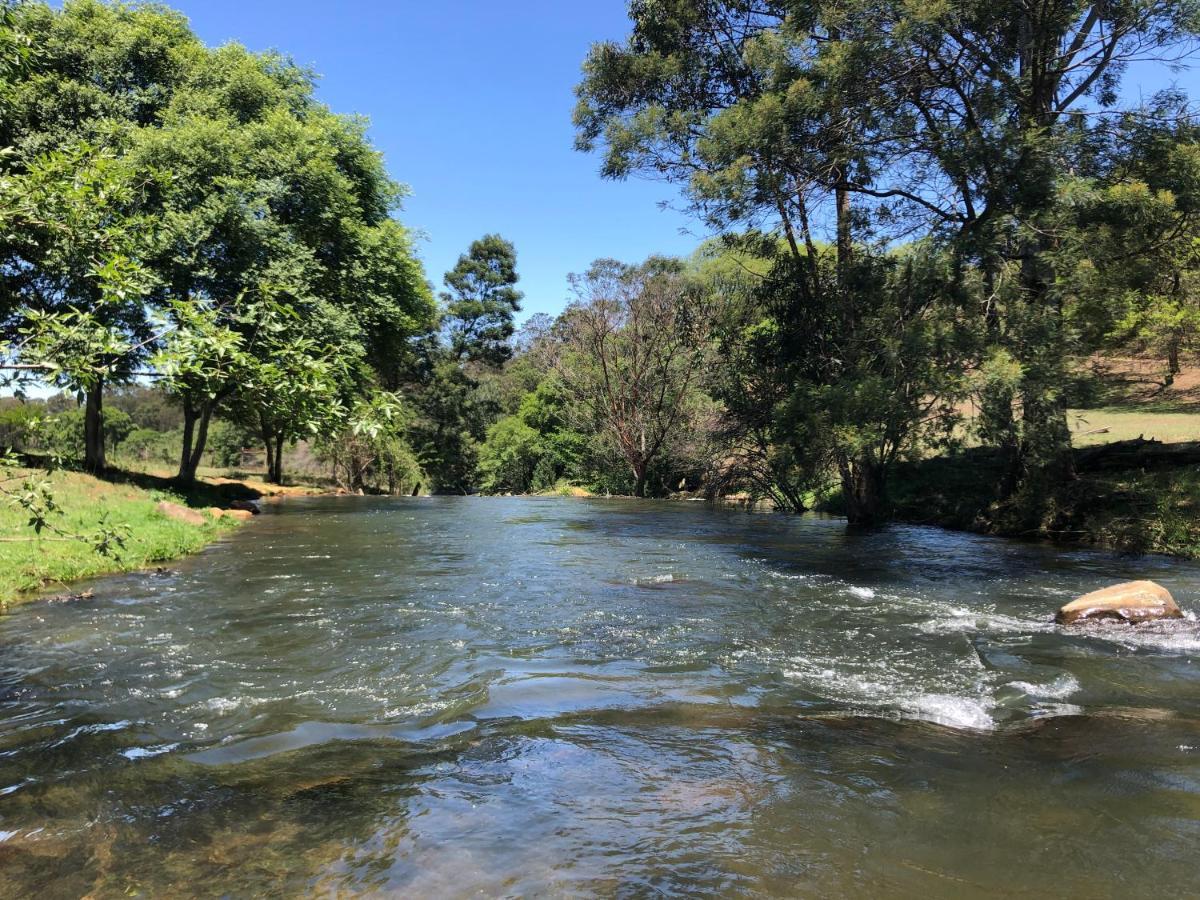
{"type": "Point", "coordinates": [200, 494]}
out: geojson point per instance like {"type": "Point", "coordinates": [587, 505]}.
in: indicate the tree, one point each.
{"type": "Point", "coordinates": [302, 219]}
{"type": "Point", "coordinates": [873, 124]}
{"type": "Point", "coordinates": [71, 238]}
{"type": "Point", "coordinates": [370, 450]}
{"type": "Point", "coordinates": [632, 347]}
{"type": "Point", "coordinates": [481, 301]}
{"type": "Point", "coordinates": [1136, 247]}
{"type": "Point", "coordinates": [204, 361]}
{"type": "Point", "coordinates": [294, 389]}
{"type": "Point", "coordinates": [88, 78]}
{"type": "Point", "coordinates": [473, 344]}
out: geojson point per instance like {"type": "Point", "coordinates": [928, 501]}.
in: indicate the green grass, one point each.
{"type": "Point", "coordinates": [29, 565]}
{"type": "Point", "coordinates": [1135, 510]}
{"type": "Point", "coordinates": [1108, 424]}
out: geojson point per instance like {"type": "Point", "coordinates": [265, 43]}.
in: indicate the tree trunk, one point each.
{"type": "Point", "coordinates": [639, 479]}
{"type": "Point", "coordinates": [275, 459]}
{"type": "Point", "coordinates": [195, 437]}
{"type": "Point", "coordinates": [864, 489]}
{"type": "Point", "coordinates": [1173, 368]}
{"type": "Point", "coordinates": [1045, 447]}
{"type": "Point", "coordinates": [186, 474]}
{"type": "Point", "coordinates": [94, 459]}
{"type": "Point", "coordinates": [201, 438]}
{"type": "Point", "coordinates": [270, 447]}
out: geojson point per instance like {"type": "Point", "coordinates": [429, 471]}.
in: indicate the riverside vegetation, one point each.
{"type": "Point", "coordinates": [929, 223]}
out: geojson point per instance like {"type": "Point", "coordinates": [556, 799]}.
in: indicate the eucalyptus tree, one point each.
{"type": "Point", "coordinates": [1006, 103]}
{"type": "Point", "coordinates": [632, 346]}
{"type": "Point", "coordinates": [762, 113]}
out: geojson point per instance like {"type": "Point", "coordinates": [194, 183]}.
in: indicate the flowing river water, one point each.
{"type": "Point", "coordinates": [515, 696]}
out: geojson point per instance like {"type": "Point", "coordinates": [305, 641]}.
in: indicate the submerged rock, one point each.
{"type": "Point", "coordinates": [1132, 601]}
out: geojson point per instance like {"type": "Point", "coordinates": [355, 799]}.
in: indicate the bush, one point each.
{"type": "Point", "coordinates": [62, 435]}
{"type": "Point", "coordinates": [226, 440]}
{"type": "Point", "coordinates": [18, 425]}
{"type": "Point", "coordinates": [147, 445]}
{"type": "Point", "coordinates": [509, 456]}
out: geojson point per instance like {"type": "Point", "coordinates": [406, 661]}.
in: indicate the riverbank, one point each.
{"type": "Point", "coordinates": [1137, 488]}
{"type": "Point", "coordinates": [32, 564]}
{"type": "Point", "coordinates": [1152, 509]}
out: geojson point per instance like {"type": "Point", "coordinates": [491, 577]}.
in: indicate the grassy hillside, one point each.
{"type": "Point", "coordinates": [1154, 509]}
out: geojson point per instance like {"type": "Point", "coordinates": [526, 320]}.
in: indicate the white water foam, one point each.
{"type": "Point", "coordinates": [883, 691]}
{"type": "Point", "coordinates": [1060, 688]}
{"type": "Point", "coordinates": [952, 711]}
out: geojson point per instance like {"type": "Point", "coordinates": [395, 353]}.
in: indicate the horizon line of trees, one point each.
{"type": "Point", "coordinates": [917, 210]}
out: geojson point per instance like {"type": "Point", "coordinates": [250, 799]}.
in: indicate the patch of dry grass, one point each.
{"type": "Point", "coordinates": [1108, 424]}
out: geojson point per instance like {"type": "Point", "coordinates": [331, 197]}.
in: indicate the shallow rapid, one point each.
{"type": "Point", "coordinates": [523, 696]}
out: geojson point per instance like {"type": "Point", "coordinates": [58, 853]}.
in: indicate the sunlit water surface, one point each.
{"type": "Point", "coordinates": [457, 696]}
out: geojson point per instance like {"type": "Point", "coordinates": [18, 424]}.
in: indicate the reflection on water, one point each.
{"type": "Point", "coordinates": [540, 696]}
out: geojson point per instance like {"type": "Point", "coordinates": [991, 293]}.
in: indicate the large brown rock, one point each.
{"type": "Point", "coordinates": [181, 513]}
{"type": "Point", "coordinates": [1133, 602]}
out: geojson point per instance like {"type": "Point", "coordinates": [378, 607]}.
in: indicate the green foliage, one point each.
{"type": "Point", "coordinates": [18, 422]}
{"type": "Point", "coordinates": [145, 445]}
{"type": "Point", "coordinates": [481, 301]}
{"type": "Point", "coordinates": [226, 441]}
{"type": "Point", "coordinates": [950, 128]}
{"type": "Point", "coordinates": [164, 200]}
{"type": "Point", "coordinates": [371, 451]}
{"type": "Point", "coordinates": [509, 457]}
{"type": "Point", "coordinates": [632, 347]}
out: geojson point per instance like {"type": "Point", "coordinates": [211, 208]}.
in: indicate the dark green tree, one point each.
{"type": "Point", "coordinates": [857, 126]}
{"type": "Point", "coordinates": [453, 404]}
{"type": "Point", "coordinates": [481, 301]}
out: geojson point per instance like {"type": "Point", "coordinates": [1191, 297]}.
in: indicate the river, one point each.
{"type": "Point", "coordinates": [443, 697]}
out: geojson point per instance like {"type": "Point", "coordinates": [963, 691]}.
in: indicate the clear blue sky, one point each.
{"type": "Point", "coordinates": [470, 103]}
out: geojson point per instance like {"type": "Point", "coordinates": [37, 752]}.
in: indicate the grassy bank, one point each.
{"type": "Point", "coordinates": [1135, 510]}
{"type": "Point", "coordinates": [1149, 506]}
{"type": "Point", "coordinates": [29, 564]}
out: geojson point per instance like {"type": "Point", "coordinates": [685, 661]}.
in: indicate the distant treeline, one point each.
{"type": "Point", "coordinates": [921, 211]}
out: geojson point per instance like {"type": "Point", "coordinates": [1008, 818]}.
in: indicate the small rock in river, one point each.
{"type": "Point", "coordinates": [1132, 601]}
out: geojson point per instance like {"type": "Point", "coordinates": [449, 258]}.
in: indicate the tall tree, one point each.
{"type": "Point", "coordinates": [99, 73]}
{"type": "Point", "coordinates": [865, 123]}
{"type": "Point", "coordinates": [476, 327]}
{"type": "Point", "coordinates": [481, 301]}
{"type": "Point", "coordinates": [632, 347]}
